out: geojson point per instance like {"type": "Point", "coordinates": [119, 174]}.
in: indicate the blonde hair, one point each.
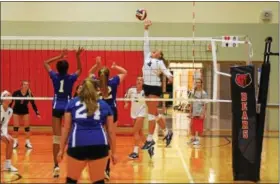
{"type": "Point", "coordinates": [104, 77]}
{"type": "Point", "coordinates": [88, 95]}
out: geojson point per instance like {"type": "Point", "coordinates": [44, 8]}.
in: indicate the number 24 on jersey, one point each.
{"type": "Point", "coordinates": [79, 111]}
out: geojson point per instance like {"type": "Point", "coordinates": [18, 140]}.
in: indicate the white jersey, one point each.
{"type": "Point", "coordinates": [138, 108]}
{"type": "Point", "coordinates": [152, 68]}
{"type": "Point", "coordinates": [5, 119]}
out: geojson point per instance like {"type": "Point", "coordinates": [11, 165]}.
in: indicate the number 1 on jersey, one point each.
{"type": "Point", "coordinates": [61, 89]}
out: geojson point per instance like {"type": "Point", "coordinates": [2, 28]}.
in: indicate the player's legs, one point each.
{"type": "Point", "coordinates": [142, 136]}
{"type": "Point", "coordinates": [8, 140]}
{"type": "Point", "coordinates": [97, 175]}
{"type": "Point", "coordinates": [16, 118]}
{"type": "Point", "coordinates": [197, 130]}
{"type": "Point", "coordinates": [74, 169]}
{"type": "Point", "coordinates": [137, 128]}
{"type": "Point", "coordinates": [56, 127]}
{"type": "Point", "coordinates": [152, 113]}
{"type": "Point", "coordinates": [107, 169]}
{"type": "Point", "coordinates": [168, 134]}
{"type": "Point", "coordinates": [26, 121]}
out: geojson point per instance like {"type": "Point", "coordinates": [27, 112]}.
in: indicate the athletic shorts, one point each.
{"type": "Point", "coordinates": [93, 152]}
{"type": "Point", "coordinates": [197, 124]}
{"type": "Point", "coordinates": [152, 90]}
{"type": "Point", "coordinates": [58, 113]}
{"type": "Point", "coordinates": [139, 113]}
{"type": "Point", "coordinates": [20, 112]}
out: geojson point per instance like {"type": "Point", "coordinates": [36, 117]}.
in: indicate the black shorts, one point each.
{"type": "Point", "coordinates": [152, 90]}
{"type": "Point", "coordinates": [58, 113]}
{"type": "Point", "coordinates": [20, 111]}
{"type": "Point", "coordinates": [94, 152]}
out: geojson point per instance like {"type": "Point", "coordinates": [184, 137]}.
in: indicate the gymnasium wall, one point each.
{"type": "Point", "coordinates": [176, 12]}
{"type": "Point", "coordinates": [173, 20]}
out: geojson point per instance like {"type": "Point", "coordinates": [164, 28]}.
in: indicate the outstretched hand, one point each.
{"type": "Point", "coordinates": [63, 54]}
{"type": "Point", "coordinates": [114, 65]}
{"type": "Point", "coordinates": [147, 24]}
{"type": "Point", "coordinates": [98, 60]}
{"type": "Point", "coordinates": [79, 51]}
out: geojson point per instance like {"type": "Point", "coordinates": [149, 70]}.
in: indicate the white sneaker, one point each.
{"type": "Point", "coordinates": [196, 142]}
{"type": "Point", "coordinates": [107, 175]}
{"type": "Point", "coordinates": [10, 168]}
{"type": "Point", "coordinates": [191, 141]}
{"type": "Point", "coordinates": [28, 145]}
{"type": "Point", "coordinates": [56, 172]}
{"type": "Point", "coordinates": [15, 145]}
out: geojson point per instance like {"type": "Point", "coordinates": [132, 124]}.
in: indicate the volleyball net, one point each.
{"type": "Point", "coordinates": [22, 58]}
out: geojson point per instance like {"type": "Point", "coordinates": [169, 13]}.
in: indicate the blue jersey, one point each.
{"type": "Point", "coordinates": [112, 92]}
{"type": "Point", "coordinates": [62, 85]}
{"type": "Point", "coordinates": [87, 130]}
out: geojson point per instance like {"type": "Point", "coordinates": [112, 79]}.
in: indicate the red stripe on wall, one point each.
{"type": "Point", "coordinates": [18, 65]}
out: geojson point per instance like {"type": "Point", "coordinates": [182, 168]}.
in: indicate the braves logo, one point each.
{"type": "Point", "coordinates": [243, 80]}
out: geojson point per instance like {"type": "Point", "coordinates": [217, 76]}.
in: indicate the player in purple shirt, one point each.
{"type": "Point", "coordinates": [62, 84]}
{"type": "Point", "coordinates": [108, 91]}
{"type": "Point", "coordinates": [85, 119]}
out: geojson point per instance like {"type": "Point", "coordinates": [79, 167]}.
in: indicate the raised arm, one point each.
{"type": "Point", "coordinates": [49, 61]}
{"type": "Point", "coordinates": [146, 48]}
{"type": "Point", "coordinates": [122, 72]}
{"type": "Point", "coordinates": [95, 67]}
{"type": "Point", "coordinates": [78, 58]}
{"type": "Point", "coordinates": [165, 71]}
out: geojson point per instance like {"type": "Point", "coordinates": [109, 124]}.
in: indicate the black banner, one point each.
{"type": "Point", "coordinates": [244, 141]}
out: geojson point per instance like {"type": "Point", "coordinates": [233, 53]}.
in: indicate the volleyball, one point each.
{"type": "Point", "coordinates": [141, 14]}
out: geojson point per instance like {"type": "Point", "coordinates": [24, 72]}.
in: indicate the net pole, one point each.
{"type": "Point", "coordinates": [215, 70]}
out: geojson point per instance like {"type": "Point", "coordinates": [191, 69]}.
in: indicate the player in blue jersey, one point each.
{"type": "Point", "coordinates": [108, 91]}
{"type": "Point", "coordinates": [85, 119]}
{"type": "Point", "coordinates": [62, 84]}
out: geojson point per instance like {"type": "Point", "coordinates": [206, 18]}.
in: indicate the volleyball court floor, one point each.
{"type": "Point", "coordinates": [179, 163]}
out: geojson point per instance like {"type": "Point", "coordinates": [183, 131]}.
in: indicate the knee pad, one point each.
{"type": "Point", "coordinates": [27, 129]}
{"type": "Point", "coordinates": [16, 129]}
{"type": "Point", "coordinates": [151, 117]}
{"type": "Point", "coordinates": [70, 181]}
{"type": "Point", "coordinates": [100, 182]}
{"type": "Point", "coordinates": [56, 139]}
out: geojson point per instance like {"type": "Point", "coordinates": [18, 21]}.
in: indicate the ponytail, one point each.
{"type": "Point", "coordinates": [89, 97]}
{"type": "Point", "coordinates": [104, 77]}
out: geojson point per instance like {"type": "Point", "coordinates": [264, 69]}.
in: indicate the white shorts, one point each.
{"type": "Point", "coordinates": [142, 112]}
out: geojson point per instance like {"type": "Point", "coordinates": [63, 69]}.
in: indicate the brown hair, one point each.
{"type": "Point", "coordinates": [88, 95]}
{"type": "Point", "coordinates": [104, 74]}
{"type": "Point", "coordinates": [165, 62]}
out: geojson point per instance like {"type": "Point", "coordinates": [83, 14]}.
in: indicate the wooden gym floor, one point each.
{"type": "Point", "coordinates": [179, 163]}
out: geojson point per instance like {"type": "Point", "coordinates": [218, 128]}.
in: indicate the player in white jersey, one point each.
{"type": "Point", "coordinates": [6, 114]}
{"type": "Point", "coordinates": [138, 114]}
{"type": "Point", "coordinates": [153, 67]}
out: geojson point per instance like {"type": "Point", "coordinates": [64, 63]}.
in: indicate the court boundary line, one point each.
{"type": "Point", "coordinates": [19, 177]}
{"type": "Point", "coordinates": [185, 166]}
